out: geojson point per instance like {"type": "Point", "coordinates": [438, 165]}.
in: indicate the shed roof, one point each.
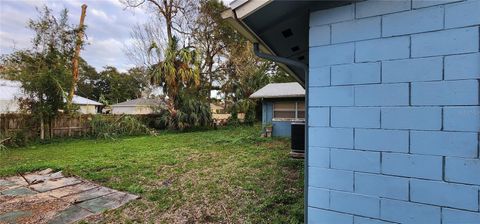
{"type": "Point", "coordinates": [140, 102]}
{"type": "Point", "coordinates": [280, 90]}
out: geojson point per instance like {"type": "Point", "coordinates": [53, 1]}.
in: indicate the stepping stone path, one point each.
{"type": "Point", "coordinates": [48, 197]}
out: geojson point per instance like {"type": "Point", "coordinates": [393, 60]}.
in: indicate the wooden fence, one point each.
{"type": "Point", "coordinates": [62, 126]}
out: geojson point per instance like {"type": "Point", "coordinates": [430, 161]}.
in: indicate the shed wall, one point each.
{"type": "Point", "coordinates": [394, 115]}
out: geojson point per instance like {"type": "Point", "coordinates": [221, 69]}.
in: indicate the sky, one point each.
{"type": "Point", "coordinates": [109, 25]}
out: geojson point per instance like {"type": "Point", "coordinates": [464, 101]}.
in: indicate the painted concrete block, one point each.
{"type": "Point", "coordinates": [415, 21]}
{"type": "Point", "coordinates": [319, 116]}
{"type": "Point", "coordinates": [355, 160]}
{"type": "Point", "coordinates": [381, 185]}
{"type": "Point", "coordinates": [461, 118]}
{"type": "Point", "coordinates": [330, 179]}
{"type": "Point", "coordinates": [408, 213]}
{"type": "Point", "coordinates": [331, 96]}
{"type": "Point", "coordinates": [411, 70]}
{"type": "Point", "coordinates": [462, 170]}
{"type": "Point", "coordinates": [380, 7]}
{"type": "Point", "coordinates": [382, 140]}
{"type": "Point", "coordinates": [331, 137]}
{"type": "Point", "coordinates": [426, 3]}
{"type": "Point", "coordinates": [362, 29]}
{"type": "Point", "coordinates": [409, 165]}
{"type": "Point", "coordinates": [360, 73]}
{"type": "Point", "coordinates": [318, 197]}
{"type": "Point", "coordinates": [363, 220]}
{"type": "Point", "coordinates": [334, 15]}
{"type": "Point", "coordinates": [466, 66]}
{"type": "Point", "coordinates": [320, 216]}
{"type": "Point", "coordinates": [453, 216]}
{"type": "Point", "coordinates": [444, 194]}
{"type": "Point", "coordinates": [383, 49]}
{"type": "Point", "coordinates": [355, 204]}
{"type": "Point", "coordinates": [319, 35]}
{"type": "Point", "coordinates": [361, 117]}
{"type": "Point", "coordinates": [319, 77]}
{"type": "Point", "coordinates": [382, 95]}
{"type": "Point", "coordinates": [319, 157]}
{"type": "Point", "coordinates": [462, 14]}
{"type": "Point", "coordinates": [417, 118]}
{"type": "Point", "coordinates": [463, 92]}
{"type": "Point", "coordinates": [446, 42]}
{"type": "Point", "coordinates": [331, 55]}
{"type": "Point", "coordinates": [462, 144]}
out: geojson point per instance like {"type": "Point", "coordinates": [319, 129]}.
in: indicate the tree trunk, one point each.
{"type": "Point", "coordinates": [42, 128]}
{"type": "Point", "coordinates": [75, 58]}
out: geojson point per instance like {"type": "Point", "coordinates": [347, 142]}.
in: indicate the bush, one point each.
{"type": "Point", "coordinates": [112, 127]}
{"type": "Point", "coordinates": [192, 114]}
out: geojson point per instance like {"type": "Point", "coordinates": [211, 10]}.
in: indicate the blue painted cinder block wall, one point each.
{"type": "Point", "coordinates": [394, 115]}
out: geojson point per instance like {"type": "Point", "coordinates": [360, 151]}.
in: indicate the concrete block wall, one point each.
{"type": "Point", "coordinates": [394, 113]}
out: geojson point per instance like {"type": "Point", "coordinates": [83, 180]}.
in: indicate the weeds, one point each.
{"type": "Point", "coordinates": [113, 127]}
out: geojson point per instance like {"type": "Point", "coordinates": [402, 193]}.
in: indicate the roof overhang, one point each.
{"type": "Point", "coordinates": [280, 27]}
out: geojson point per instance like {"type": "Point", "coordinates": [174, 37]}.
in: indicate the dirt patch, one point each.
{"type": "Point", "coordinates": [47, 197]}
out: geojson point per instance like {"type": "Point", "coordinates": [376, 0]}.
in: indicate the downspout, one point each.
{"type": "Point", "coordinates": [286, 61]}
{"type": "Point", "coordinates": [304, 67]}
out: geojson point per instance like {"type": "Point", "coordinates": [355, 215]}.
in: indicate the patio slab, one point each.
{"type": "Point", "coordinates": [47, 197]}
{"type": "Point", "coordinates": [18, 191]}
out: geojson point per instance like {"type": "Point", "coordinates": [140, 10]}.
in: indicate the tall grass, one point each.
{"type": "Point", "coordinates": [113, 127]}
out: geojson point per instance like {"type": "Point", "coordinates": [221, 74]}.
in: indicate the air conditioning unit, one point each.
{"type": "Point", "coordinates": [298, 138]}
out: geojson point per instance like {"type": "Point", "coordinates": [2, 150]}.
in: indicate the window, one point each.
{"type": "Point", "coordinates": [289, 110]}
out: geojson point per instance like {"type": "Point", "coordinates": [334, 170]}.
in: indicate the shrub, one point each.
{"type": "Point", "coordinates": [191, 114]}
{"type": "Point", "coordinates": [112, 127]}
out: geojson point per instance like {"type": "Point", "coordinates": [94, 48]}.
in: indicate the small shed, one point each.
{"type": "Point", "coordinates": [138, 106]}
{"type": "Point", "coordinates": [282, 104]}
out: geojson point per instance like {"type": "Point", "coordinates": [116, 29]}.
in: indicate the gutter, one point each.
{"type": "Point", "coordinates": [230, 16]}
{"type": "Point", "coordinates": [286, 61]}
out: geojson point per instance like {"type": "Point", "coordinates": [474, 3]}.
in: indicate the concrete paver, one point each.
{"type": "Point", "coordinates": [48, 197]}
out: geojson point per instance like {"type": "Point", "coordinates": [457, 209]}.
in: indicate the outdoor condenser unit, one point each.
{"type": "Point", "coordinates": [298, 137]}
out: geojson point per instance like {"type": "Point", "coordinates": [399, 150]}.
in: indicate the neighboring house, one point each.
{"type": "Point", "coordinates": [11, 92]}
{"type": "Point", "coordinates": [282, 104]}
{"type": "Point", "coordinates": [138, 106]}
{"type": "Point", "coordinates": [393, 113]}
{"type": "Point", "coordinates": [86, 106]}
{"type": "Point", "coordinates": [216, 109]}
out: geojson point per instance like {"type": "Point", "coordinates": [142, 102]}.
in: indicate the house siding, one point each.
{"type": "Point", "coordinates": [393, 113]}
{"type": "Point", "coordinates": [280, 128]}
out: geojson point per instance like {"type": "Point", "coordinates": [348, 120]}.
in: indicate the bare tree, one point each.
{"type": "Point", "coordinates": [174, 13]}
{"type": "Point", "coordinates": [148, 45]}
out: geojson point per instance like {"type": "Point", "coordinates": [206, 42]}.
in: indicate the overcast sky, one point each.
{"type": "Point", "coordinates": [108, 27]}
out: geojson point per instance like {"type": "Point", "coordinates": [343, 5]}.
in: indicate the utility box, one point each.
{"type": "Point", "coordinates": [298, 137]}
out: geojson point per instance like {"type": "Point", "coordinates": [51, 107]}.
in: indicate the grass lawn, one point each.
{"type": "Point", "coordinates": [229, 175]}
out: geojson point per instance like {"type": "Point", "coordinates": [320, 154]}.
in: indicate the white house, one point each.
{"type": "Point", "coordinates": [11, 92]}
{"type": "Point", "coordinates": [137, 106]}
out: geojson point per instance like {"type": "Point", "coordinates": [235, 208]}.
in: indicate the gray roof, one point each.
{"type": "Point", "coordinates": [280, 90]}
{"type": "Point", "coordinates": [140, 102]}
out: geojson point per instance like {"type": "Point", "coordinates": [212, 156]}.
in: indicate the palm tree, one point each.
{"type": "Point", "coordinates": [179, 70]}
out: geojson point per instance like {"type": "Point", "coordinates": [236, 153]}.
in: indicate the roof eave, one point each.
{"type": "Point", "coordinates": [277, 97]}
{"type": "Point", "coordinates": [231, 17]}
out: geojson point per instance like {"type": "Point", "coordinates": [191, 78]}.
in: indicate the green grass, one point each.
{"type": "Point", "coordinates": [229, 175]}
